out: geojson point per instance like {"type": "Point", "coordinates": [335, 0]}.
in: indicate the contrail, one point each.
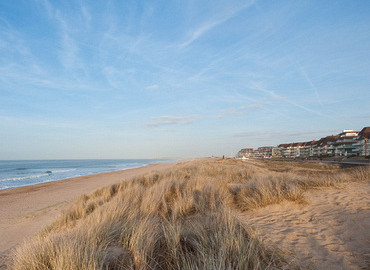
{"type": "Point", "coordinates": [301, 70]}
{"type": "Point", "coordinates": [278, 97]}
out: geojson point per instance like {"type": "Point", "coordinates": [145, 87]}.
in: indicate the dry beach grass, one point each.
{"type": "Point", "coordinates": [191, 216]}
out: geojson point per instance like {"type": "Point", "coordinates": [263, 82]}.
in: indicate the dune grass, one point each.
{"type": "Point", "coordinates": [183, 218]}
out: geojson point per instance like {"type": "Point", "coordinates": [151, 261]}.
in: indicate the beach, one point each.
{"type": "Point", "coordinates": [329, 231]}
{"type": "Point", "coordinates": [325, 227]}
{"type": "Point", "coordinates": [26, 210]}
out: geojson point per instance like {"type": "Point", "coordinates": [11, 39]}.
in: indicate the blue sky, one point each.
{"type": "Point", "coordinates": [148, 79]}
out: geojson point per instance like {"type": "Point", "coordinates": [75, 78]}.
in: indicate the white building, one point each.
{"type": "Point", "coordinates": [363, 145]}
{"type": "Point", "coordinates": [345, 143]}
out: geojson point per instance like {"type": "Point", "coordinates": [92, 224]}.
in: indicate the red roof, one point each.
{"type": "Point", "coordinates": [283, 145]}
{"type": "Point", "coordinates": [364, 133]}
{"type": "Point", "coordinates": [325, 140]}
{"type": "Point", "coordinates": [307, 143]}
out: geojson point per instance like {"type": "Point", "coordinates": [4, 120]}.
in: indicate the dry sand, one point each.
{"type": "Point", "coordinates": [25, 211]}
{"type": "Point", "coordinates": [330, 231]}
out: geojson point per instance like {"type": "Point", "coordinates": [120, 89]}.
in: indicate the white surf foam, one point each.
{"type": "Point", "coordinates": [32, 176]}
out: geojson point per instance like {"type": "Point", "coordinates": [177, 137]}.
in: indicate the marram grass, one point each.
{"type": "Point", "coordinates": [183, 218]}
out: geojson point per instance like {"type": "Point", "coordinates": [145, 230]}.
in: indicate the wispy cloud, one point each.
{"type": "Point", "coordinates": [239, 97]}
{"type": "Point", "coordinates": [28, 122]}
{"type": "Point", "coordinates": [290, 136]}
{"type": "Point", "coordinates": [86, 15]}
{"type": "Point", "coordinates": [209, 25]}
{"type": "Point", "coordinates": [258, 86]}
{"type": "Point", "coordinates": [172, 120]}
{"type": "Point", "coordinates": [12, 42]}
{"type": "Point", "coordinates": [239, 111]}
{"type": "Point", "coordinates": [251, 106]}
{"type": "Point", "coordinates": [35, 75]}
{"type": "Point", "coordinates": [313, 87]}
{"type": "Point", "coordinates": [69, 48]}
{"type": "Point", "coordinates": [152, 87]}
{"type": "Point", "coordinates": [239, 65]}
{"type": "Point", "coordinates": [47, 6]}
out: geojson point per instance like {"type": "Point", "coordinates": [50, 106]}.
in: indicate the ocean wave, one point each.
{"type": "Point", "coordinates": [6, 187]}
{"type": "Point", "coordinates": [24, 177]}
{"type": "Point", "coordinates": [61, 171]}
{"type": "Point", "coordinates": [33, 176]}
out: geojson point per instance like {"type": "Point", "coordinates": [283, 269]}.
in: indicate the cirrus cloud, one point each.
{"type": "Point", "coordinates": [152, 87]}
{"type": "Point", "coordinates": [166, 120]}
{"type": "Point", "coordinates": [239, 111]}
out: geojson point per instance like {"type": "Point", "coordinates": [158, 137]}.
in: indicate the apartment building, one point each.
{"type": "Point", "coordinates": [284, 149]}
{"type": "Point", "coordinates": [291, 150]}
{"type": "Point", "coordinates": [362, 144]}
{"type": "Point", "coordinates": [346, 144]}
{"type": "Point", "coordinates": [245, 153]}
{"type": "Point", "coordinates": [276, 152]}
{"type": "Point", "coordinates": [305, 151]}
{"type": "Point", "coordinates": [265, 151]}
{"type": "Point", "coordinates": [325, 146]}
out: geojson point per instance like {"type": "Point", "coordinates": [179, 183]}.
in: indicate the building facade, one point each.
{"type": "Point", "coordinates": [362, 144]}
{"type": "Point", "coordinates": [345, 144]}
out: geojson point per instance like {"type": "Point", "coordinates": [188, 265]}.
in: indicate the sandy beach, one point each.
{"type": "Point", "coordinates": [25, 211]}
{"type": "Point", "coordinates": [330, 230]}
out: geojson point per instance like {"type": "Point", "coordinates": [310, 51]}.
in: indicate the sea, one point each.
{"type": "Point", "coordinates": [19, 173]}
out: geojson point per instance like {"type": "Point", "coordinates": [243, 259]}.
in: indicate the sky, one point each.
{"type": "Point", "coordinates": [153, 79]}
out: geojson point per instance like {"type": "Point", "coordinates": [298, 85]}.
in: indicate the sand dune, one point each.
{"type": "Point", "coordinates": [330, 231]}
{"type": "Point", "coordinates": [25, 211]}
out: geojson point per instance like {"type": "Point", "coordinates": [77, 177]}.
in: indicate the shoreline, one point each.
{"type": "Point", "coordinates": [24, 211]}
{"type": "Point", "coordinates": [317, 227]}
{"type": "Point", "coordinates": [61, 178]}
